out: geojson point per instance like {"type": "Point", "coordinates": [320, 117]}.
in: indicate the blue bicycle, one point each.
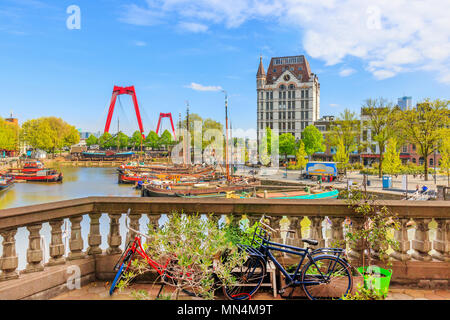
{"type": "Point", "coordinates": [326, 274]}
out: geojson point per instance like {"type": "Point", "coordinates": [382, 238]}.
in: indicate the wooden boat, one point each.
{"type": "Point", "coordinates": [299, 194]}
{"type": "Point", "coordinates": [134, 177]}
{"type": "Point", "coordinates": [209, 190]}
{"type": "Point", "coordinates": [6, 182]}
{"type": "Point", "coordinates": [46, 175]}
{"type": "Point", "coordinates": [106, 155]}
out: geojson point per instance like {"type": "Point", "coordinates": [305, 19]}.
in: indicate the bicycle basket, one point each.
{"type": "Point", "coordinates": [260, 236]}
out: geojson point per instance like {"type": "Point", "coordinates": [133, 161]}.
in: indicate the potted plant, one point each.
{"type": "Point", "coordinates": [374, 239]}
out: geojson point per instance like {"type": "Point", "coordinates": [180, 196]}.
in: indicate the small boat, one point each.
{"type": "Point", "coordinates": [46, 175]}
{"type": "Point", "coordinates": [299, 194]}
{"type": "Point", "coordinates": [6, 182]}
{"type": "Point", "coordinates": [106, 155]}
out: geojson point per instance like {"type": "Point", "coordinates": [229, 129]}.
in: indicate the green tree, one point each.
{"type": "Point", "coordinates": [445, 155]}
{"type": "Point", "coordinates": [391, 162]}
{"type": "Point", "coordinates": [106, 141]}
{"type": "Point", "coordinates": [381, 121]}
{"type": "Point", "coordinates": [152, 140]}
{"type": "Point", "coordinates": [423, 126]}
{"type": "Point", "coordinates": [135, 140]}
{"type": "Point", "coordinates": [313, 140]}
{"type": "Point", "coordinates": [301, 156]}
{"type": "Point", "coordinates": [345, 129]}
{"type": "Point", "coordinates": [91, 140]}
{"type": "Point", "coordinates": [166, 139]}
{"type": "Point", "coordinates": [287, 144]}
{"type": "Point", "coordinates": [121, 140]}
{"type": "Point", "coordinates": [341, 156]}
{"type": "Point", "coordinates": [9, 135]}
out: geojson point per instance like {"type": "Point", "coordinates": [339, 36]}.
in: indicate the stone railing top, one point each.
{"type": "Point", "coordinates": [27, 215]}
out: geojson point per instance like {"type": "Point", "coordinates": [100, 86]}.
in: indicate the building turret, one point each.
{"type": "Point", "coordinates": [260, 75]}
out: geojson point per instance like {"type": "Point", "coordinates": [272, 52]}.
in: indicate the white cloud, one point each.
{"type": "Point", "coordinates": [334, 105]}
{"type": "Point", "coordinates": [192, 27]}
{"type": "Point", "coordinates": [346, 72]}
{"type": "Point", "coordinates": [140, 43]}
{"type": "Point", "coordinates": [389, 37]}
{"type": "Point", "coordinates": [199, 87]}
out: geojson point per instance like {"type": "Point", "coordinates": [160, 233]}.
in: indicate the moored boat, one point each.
{"type": "Point", "coordinates": [46, 175]}
{"type": "Point", "coordinates": [6, 182]}
{"type": "Point", "coordinates": [299, 194]}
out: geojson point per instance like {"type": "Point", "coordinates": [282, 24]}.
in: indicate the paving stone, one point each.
{"type": "Point", "coordinates": [415, 293]}
{"type": "Point", "coordinates": [443, 293]}
{"type": "Point", "coordinates": [399, 296]}
{"type": "Point", "coordinates": [432, 296]}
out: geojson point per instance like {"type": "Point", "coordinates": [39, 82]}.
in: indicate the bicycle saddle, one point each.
{"type": "Point", "coordinates": [311, 242]}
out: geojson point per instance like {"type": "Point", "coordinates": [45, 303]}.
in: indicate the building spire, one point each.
{"type": "Point", "coordinates": [260, 72]}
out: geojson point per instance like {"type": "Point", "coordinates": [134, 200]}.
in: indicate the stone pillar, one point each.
{"type": "Point", "coordinates": [252, 219]}
{"type": "Point", "coordinates": [114, 237]}
{"type": "Point", "coordinates": [94, 237]}
{"type": "Point", "coordinates": [337, 233]}
{"type": "Point", "coordinates": [56, 244]}
{"type": "Point", "coordinates": [316, 230]}
{"type": "Point", "coordinates": [295, 239]}
{"type": "Point", "coordinates": [421, 243]}
{"type": "Point", "coordinates": [9, 261]}
{"type": "Point", "coordinates": [442, 243]}
{"type": "Point", "coordinates": [134, 224]}
{"type": "Point", "coordinates": [34, 252]}
{"type": "Point", "coordinates": [235, 219]}
{"type": "Point", "coordinates": [153, 222]}
{"type": "Point", "coordinates": [213, 217]}
{"type": "Point", "coordinates": [356, 248]}
{"type": "Point", "coordinates": [76, 240]}
{"type": "Point", "coordinates": [401, 236]}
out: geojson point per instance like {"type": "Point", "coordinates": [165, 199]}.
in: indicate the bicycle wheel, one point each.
{"type": "Point", "coordinates": [327, 277]}
{"type": "Point", "coordinates": [120, 271]}
{"type": "Point", "coordinates": [248, 277]}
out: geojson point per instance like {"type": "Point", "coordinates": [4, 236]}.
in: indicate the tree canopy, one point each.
{"type": "Point", "coordinates": [313, 140]}
{"type": "Point", "coordinates": [9, 135]}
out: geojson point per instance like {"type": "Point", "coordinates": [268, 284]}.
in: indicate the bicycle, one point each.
{"type": "Point", "coordinates": [326, 274]}
{"type": "Point", "coordinates": [135, 246]}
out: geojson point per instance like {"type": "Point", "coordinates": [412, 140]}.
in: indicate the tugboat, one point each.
{"type": "Point", "coordinates": [44, 175]}
{"type": "Point", "coordinates": [32, 166]}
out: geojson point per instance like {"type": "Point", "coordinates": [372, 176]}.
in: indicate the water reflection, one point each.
{"type": "Point", "coordinates": [77, 183]}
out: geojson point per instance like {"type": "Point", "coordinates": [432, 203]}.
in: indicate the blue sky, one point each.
{"type": "Point", "coordinates": [178, 50]}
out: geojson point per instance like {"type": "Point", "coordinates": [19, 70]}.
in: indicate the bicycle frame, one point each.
{"type": "Point", "coordinates": [136, 247]}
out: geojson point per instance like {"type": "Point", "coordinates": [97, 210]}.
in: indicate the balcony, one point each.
{"type": "Point", "coordinates": [97, 237]}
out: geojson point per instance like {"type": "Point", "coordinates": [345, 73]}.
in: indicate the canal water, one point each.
{"type": "Point", "coordinates": [77, 183]}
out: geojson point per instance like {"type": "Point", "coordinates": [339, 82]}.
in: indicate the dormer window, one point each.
{"type": "Point", "coordinates": [291, 87]}
{"type": "Point", "coordinates": [282, 87]}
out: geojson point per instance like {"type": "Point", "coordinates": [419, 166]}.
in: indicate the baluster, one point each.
{"type": "Point", "coordinates": [153, 222]}
{"type": "Point", "coordinates": [401, 236]}
{"type": "Point", "coordinates": [214, 218]}
{"type": "Point", "coordinates": [56, 244]}
{"type": "Point", "coordinates": [356, 247]}
{"type": "Point", "coordinates": [316, 230]}
{"type": "Point", "coordinates": [134, 224]}
{"type": "Point", "coordinates": [9, 261]}
{"type": "Point", "coordinates": [114, 237]}
{"type": "Point", "coordinates": [76, 240]}
{"type": "Point", "coordinates": [253, 218]}
{"type": "Point", "coordinates": [235, 219]}
{"type": "Point", "coordinates": [34, 251]}
{"type": "Point", "coordinates": [442, 243]}
{"type": "Point", "coordinates": [337, 233]}
{"type": "Point", "coordinates": [94, 238]}
{"type": "Point", "coordinates": [294, 239]}
{"type": "Point", "coordinates": [421, 243]}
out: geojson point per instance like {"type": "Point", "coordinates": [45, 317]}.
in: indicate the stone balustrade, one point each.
{"type": "Point", "coordinates": [427, 258]}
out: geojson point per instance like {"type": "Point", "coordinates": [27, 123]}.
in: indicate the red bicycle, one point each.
{"type": "Point", "coordinates": [135, 246]}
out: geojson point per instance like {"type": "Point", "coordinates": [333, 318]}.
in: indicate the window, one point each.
{"type": "Point", "coordinates": [289, 104]}
{"type": "Point", "coordinates": [282, 87]}
{"type": "Point", "coordinates": [291, 87]}
{"type": "Point", "coordinates": [414, 160]}
{"type": "Point", "coordinates": [299, 68]}
{"type": "Point", "coordinates": [293, 94]}
{"type": "Point", "coordinates": [293, 115]}
{"type": "Point", "coordinates": [271, 95]}
{"type": "Point", "coordinates": [289, 126]}
{"type": "Point", "coordinates": [306, 93]}
{"type": "Point", "coordinates": [289, 94]}
{"type": "Point", "coordinates": [306, 104]}
{"type": "Point", "coordinates": [303, 104]}
{"type": "Point", "coordinates": [293, 125]}
{"type": "Point", "coordinates": [405, 149]}
{"type": "Point", "coordinates": [279, 125]}
{"type": "Point", "coordinates": [289, 115]}
{"type": "Point", "coordinates": [293, 105]}
{"type": "Point", "coordinates": [303, 94]}
{"type": "Point", "coordinates": [431, 161]}
{"type": "Point", "coordinates": [414, 147]}
{"type": "Point", "coordinates": [279, 95]}
{"type": "Point", "coordinates": [271, 105]}
{"type": "Point", "coordinates": [267, 95]}
{"type": "Point", "coordinates": [274, 70]}
{"type": "Point", "coordinates": [284, 125]}
{"type": "Point", "coordinates": [284, 94]}
{"type": "Point", "coordinates": [267, 106]}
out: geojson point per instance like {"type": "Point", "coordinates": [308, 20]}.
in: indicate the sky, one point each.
{"type": "Point", "coordinates": [62, 58]}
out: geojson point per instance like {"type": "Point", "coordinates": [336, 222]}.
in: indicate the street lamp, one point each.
{"type": "Point", "coordinates": [226, 134]}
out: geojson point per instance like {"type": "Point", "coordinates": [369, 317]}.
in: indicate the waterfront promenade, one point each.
{"type": "Point", "coordinates": [420, 262]}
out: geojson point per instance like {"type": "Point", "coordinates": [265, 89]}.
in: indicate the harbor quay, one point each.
{"type": "Point", "coordinates": [420, 262]}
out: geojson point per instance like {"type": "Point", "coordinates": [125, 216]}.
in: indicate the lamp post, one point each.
{"type": "Point", "coordinates": [226, 134]}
